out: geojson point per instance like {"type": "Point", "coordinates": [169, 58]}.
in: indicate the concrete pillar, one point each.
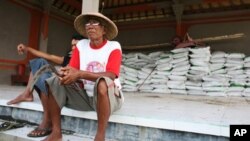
{"type": "Point", "coordinates": [178, 10]}
{"type": "Point", "coordinates": [90, 6]}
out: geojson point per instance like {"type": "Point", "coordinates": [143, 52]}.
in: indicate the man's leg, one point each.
{"type": "Point", "coordinates": [45, 126]}
{"type": "Point", "coordinates": [25, 96]}
{"type": "Point", "coordinates": [55, 116]}
{"type": "Point", "coordinates": [103, 110]}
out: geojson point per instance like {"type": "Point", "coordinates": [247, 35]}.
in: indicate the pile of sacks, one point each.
{"type": "Point", "coordinates": [193, 71]}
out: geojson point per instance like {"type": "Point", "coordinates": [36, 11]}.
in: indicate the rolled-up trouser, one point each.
{"type": "Point", "coordinates": [75, 97]}
{"type": "Point", "coordinates": [35, 65]}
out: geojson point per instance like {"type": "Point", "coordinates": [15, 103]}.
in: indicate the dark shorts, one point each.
{"type": "Point", "coordinates": [75, 97]}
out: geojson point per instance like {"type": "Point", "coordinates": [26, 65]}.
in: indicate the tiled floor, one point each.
{"type": "Point", "coordinates": [198, 114]}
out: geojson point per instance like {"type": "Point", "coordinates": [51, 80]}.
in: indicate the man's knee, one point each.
{"type": "Point", "coordinates": [102, 87]}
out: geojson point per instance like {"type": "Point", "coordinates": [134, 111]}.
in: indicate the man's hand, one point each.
{"type": "Point", "coordinates": [69, 75]}
{"type": "Point", "coordinates": [21, 48]}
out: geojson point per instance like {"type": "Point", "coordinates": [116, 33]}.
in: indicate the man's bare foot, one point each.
{"type": "Point", "coordinates": [21, 98]}
{"type": "Point", "coordinates": [54, 137]}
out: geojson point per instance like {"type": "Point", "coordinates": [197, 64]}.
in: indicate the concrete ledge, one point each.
{"type": "Point", "coordinates": [161, 113]}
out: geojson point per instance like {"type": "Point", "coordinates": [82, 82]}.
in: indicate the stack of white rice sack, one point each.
{"type": "Point", "coordinates": [180, 66]}
{"type": "Point", "coordinates": [234, 67]}
{"type": "Point", "coordinates": [160, 72]}
{"type": "Point", "coordinates": [199, 61]}
{"type": "Point", "coordinates": [193, 71]}
{"type": "Point", "coordinates": [247, 73]}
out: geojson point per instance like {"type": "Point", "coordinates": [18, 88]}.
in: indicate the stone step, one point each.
{"type": "Point", "coordinates": [20, 134]}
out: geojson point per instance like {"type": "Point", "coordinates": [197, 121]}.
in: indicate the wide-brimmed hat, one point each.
{"type": "Point", "coordinates": [81, 20]}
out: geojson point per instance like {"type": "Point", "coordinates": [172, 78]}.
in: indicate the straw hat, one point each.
{"type": "Point", "coordinates": [110, 27]}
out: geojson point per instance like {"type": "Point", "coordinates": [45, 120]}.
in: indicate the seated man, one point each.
{"type": "Point", "coordinates": [177, 42]}
{"type": "Point", "coordinates": [90, 82]}
{"type": "Point", "coordinates": [36, 65]}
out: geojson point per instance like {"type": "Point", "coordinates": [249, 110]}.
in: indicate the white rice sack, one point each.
{"type": "Point", "coordinates": [233, 65]}
{"type": "Point", "coordinates": [165, 73]}
{"type": "Point", "coordinates": [233, 68]}
{"type": "Point", "coordinates": [216, 94]}
{"type": "Point", "coordinates": [155, 54]}
{"type": "Point", "coordinates": [177, 78]}
{"type": "Point", "coordinates": [215, 89]}
{"type": "Point", "coordinates": [130, 74]}
{"type": "Point", "coordinates": [238, 94]}
{"type": "Point", "coordinates": [246, 92]}
{"type": "Point", "coordinates": [218, 60]}
{"type": "Point", "coordinates": [247, 84]}
{"type": "Point", "coordinates": [180, 50]}
{"type": "Point", "coordinates": [220, 78]}
{"type": "Point", "coordinates": [240, 77]}
{"type": "Point", "coordinates": [196, 92]}
{"type": "Point", "coordinates": [146, 70]}
{"type": "Point", "coordinates": [159, 81]}
{"type": "Point", "coordinates": [179, 60]}
{"type": "Point", "coordinates": [200, 56]}
{"type": "Point", "coordinates": [247, 71]}
{"type": "Point", "coordinates": [234, 82]}
{"type": "Point", "coordinates": [235, 61]}
{"type": "Point", "coordinates": [205, 50]}
{"type": "Point", "coordinates": [125, 86]}
{"type": "Point", "coordinates": [164, 67]}
{"type": "Point", "coordinates": [145, 57]}
{"type": "Point", "coordinates": [220, 71]}
{"type": "Point", "coordinates": [216, 66]}
{"type": "Point", "coordinates": [149, 66]}
{"type": "Point", "coordinates": [129, 82]}
{"type": "Point", "coordinates": [200, 68]}
{"type": "Point", "coordinates": [163, 61]}
{"type": "Point", "coordinates": [166, 55]}
{"type": "Point", "coordinates": [235, 72]}
{"type": "Point", "coordinates": [196, 62]}
{"type": "Point", "coordinates": [236, 55]}
{"type": "Point", "coordinates": [158, 76]}
{"type": "Point", "coordinates": [129, 90]}
{"type": "Point", "coordinates": [218, 54]}
{"type": "Point", "coordinates": [143, 81]}
{"type": "Point", "coordinates": [247, 65]}
{"type": "Point", "coordinates": [145, 87]}
{"type": "Point", "coordinates": [164, 91]}
{"type": "Point", "coordinates": [247, 59]}
{"type": "Point", "coordinates": [181, 68]}
{"type": "Point", "coordinates": [197, 72]}
{"type": "Point", "coordinates": [159, 86]}
{"type": "Point", "coordinates": [180, 55]}
{"type": "Point", "coordinates": [128, 69]}
{"type": "Point", "coordinates": [215, 84]}
{"type": "Point", "coordinates": [235, 89]}
{"type": "Point", "coordinates": [180, 64]}
{"type": "Point", "coordinates": [194, 88]}
{"type": "Point", "coordinates": [194, 77]}
{"type": "Point", "coordinates": [193, 83]}
{"type": "Point", "coordinates": [176, 85]}
{"type": "Point", "coordinates": [185, 72]}
{"type": "Point", "coordinates": [178, 91]}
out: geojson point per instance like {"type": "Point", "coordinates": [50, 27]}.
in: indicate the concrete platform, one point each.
{"type": "Point", "coordinates": [199, 115]}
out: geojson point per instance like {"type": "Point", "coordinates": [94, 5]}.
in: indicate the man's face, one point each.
{"type": "Point", "coordinates": [176, 41]}
{"type": "Point", "coordinates": [73, 43]}
{"type": "Point", "coordinates": [94, 29]}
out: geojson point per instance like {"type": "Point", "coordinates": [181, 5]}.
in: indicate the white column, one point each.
{"type": "Point", "coordinates": [90, 6]}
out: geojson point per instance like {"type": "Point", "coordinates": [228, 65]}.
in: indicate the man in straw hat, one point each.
{"type": "Point", "coordinates": [90, 82]}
